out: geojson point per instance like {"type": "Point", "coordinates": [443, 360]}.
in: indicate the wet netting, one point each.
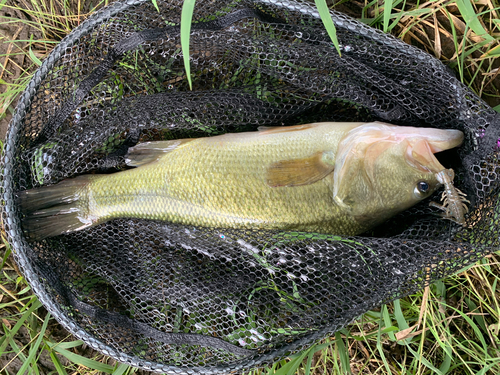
{"type": "Point", "coordinates": [185, 299]}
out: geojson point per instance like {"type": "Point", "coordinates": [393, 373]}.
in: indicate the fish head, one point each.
{"type": "Point", "coordinates": [388, 169]}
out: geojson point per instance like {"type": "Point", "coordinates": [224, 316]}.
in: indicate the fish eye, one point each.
{"type": "Point", "coordinates": [422, 188]}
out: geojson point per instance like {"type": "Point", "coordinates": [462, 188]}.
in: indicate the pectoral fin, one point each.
{"type": "Point", "coordinates": [303, 171]}
{"type": "Point", "coordinates": [148, 152]}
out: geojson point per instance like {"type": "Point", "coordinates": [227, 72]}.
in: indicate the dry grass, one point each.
{"type": "Point", "coordinates": [453, 329]}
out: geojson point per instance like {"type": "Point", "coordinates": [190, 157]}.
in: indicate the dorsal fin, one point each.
{"type": "Point", "coordinates": [148, 152]}
{"type": "Point", "coordinates": [283, 129]}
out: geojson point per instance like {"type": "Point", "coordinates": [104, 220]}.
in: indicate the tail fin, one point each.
{"type": "Point", "coordinates": [56, 209]}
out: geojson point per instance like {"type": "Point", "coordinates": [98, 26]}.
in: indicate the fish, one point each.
{"type": "Point", "coordinates": [330, 177]}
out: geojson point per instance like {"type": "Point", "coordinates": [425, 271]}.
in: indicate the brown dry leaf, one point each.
{"type": "Point", "coordinates": [404, 334]}
{"type": "Point", "coordinates": [457, 22]}
{"type": "Point", "coordinates": [7, 323]}
{"type": "Point", "coordinates": [461, 26]}
{"type": "Point", "coordinates": [492, 7]}
{"type": "Point", "coordinates": [423, 307]}
{"type": "Point", "coordinates": [437, 38]}
{"type": "Point", "coordinates": [414, 36]}
{"type": "Point", "coordinates": [494, 73]}
{"type": "Point", "coordinates": [491, 52]}
{"type": "Point", "coordinates": [435, 5]}
{"type": "Point", "coordinates": [421, 30]}
{"type": "Point", "coordinates": [363, 349]}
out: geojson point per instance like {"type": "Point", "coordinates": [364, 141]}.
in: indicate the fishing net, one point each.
{"type": "Point", "coordinates": [183, 299]}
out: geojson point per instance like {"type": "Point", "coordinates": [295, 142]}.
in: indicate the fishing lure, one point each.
{"type": "Point", "coordinates": [454, 202]}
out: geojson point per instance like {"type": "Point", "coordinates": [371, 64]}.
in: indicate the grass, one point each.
{"type": "Point", "coordinates": [452, 327]}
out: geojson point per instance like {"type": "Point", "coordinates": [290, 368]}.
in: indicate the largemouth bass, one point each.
{"type": "Point", "coordinates": [332, 178]}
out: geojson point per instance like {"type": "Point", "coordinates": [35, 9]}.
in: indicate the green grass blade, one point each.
{"type": "Point", "coordinates": [3, 338]}
{"type": "Point", "coordinates": [82, 361]}
{"type": "Point", "coordinates": [186, 19]}
{"type": "Point", "coordinates": [424, 361]}
{"type": "Point", "coordinates": [460, 65]}
{"type": "Point", "coordinates": [401, 320]}
{"type": "Point", "coordinates": [17, 350]}
{"type": "Point", "coordinates": [398, 314]}
{"type": "Point", "coordinates": [35, 59]}
{"type": "Point", "coordinates": [495, 51]}
{"type": "Point", "coordinates": [388, 322]}
{"type": "Point", "coordinates": [272, 369]}
{"type": "Point", "coordinates": [155, 5]}
{"type": "Point", "coordinates": [307, 369]}
{"type": "Point", "coordinates": [317, 348]}
{"type": "Point", "coordinates": [343, 354]}
{"type": "Point", "coordinates": [291, 367]}
{"type": "Point", "coordinates": [324, 13]}
{"type": "Point", "coordinates": [445, 366]}
{"type": "Point", "coordinates": [474, 327]}
{"type": "Point", "coordinates": [478, 318]}
{"type": "Point", "coordinates": [34, 349]}
{"type": "Point", "coordinates": [387, 14]}
{"type": "Point", "coordinates": [57, 364]}
{"type": "Point", "coordinates": [66, 345]}
{"type": "Point", "coordinates": [485, 369]}
{"type": "Point", "coordinates": [121, 369]}
{"type": "Point", "coordinates": [8, 250]}
{"type": "Point", "coordinates": [36, 304]}
{"type": "Point", "coordinates": [471, 19]}
{"type": "Point", "coordinates": [379, 346]}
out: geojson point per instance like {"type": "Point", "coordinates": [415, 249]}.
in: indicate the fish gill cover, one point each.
{"type": "Point", "coordinates": [183, 299]}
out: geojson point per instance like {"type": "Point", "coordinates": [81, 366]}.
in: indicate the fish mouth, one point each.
{"type": "Point", "coordinates": [420, 154]}
{"type": "Point", "coordinates": [443, 139]}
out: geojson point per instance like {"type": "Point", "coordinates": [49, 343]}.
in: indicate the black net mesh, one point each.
{"type": "Point", "coordinates": [182, 299]}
